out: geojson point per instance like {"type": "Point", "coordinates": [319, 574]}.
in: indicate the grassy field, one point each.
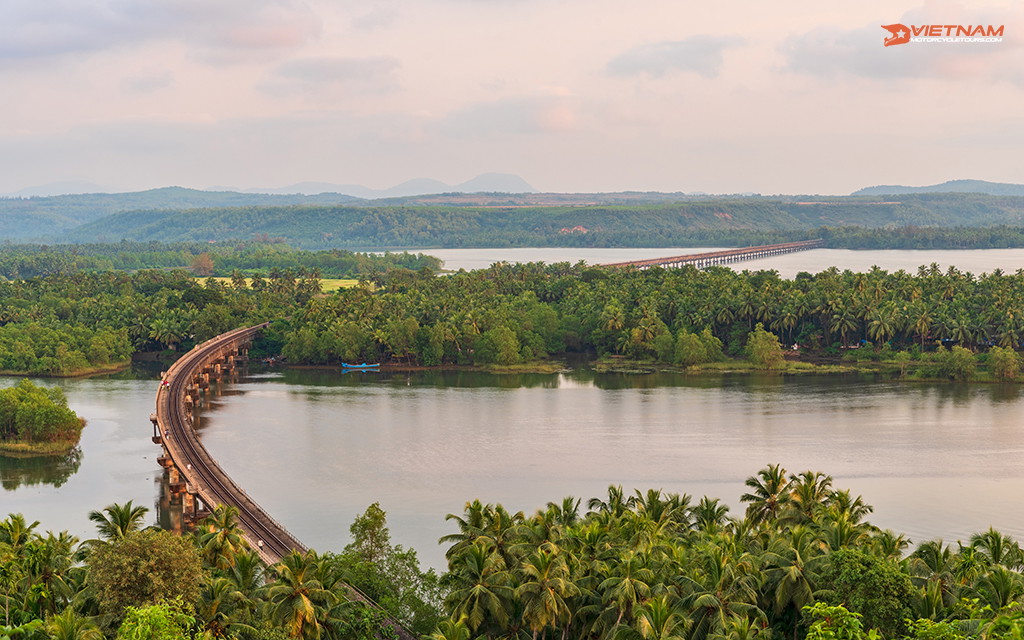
{"type": "Point", "coordinates": [327, 285]}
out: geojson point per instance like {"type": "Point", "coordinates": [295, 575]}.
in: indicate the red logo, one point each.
{"type": "Point", "coordinates": [900, 34]}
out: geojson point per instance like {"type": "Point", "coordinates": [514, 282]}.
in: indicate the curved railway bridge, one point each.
{"type": "Point", "coordinates": [701, 260]}
{"type": "Point", "coordinates": [194, 475]}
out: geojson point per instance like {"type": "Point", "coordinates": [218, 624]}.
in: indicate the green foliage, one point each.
{"type": "Point", "coordinates": [763, 349]}
{"type": "Point", "coordinates": [498, 346]}
{"type": "Point", "coordinates": [145, 568]}
{"type": "Point", "coordinates": [957, 363]}
{"type": "Point", "coordinates": [833, 623]}
{"type": "Point", "coordinates": [33, 414]}
{"type": "Point", "coordinates": [202, 259]}
{"type": "Point", "coordinates": [869, 586]}
{"type": "Point", "coordinates": [389, 574]}
{"type": "Point", "coordinates": [924, 629]}
{"type": "Point", "coordinates": [155, 622]}
{"type": "Point", "coordinates": [1004, 363]}
{"type": "Point", "coordinates": [692, 349]}
{"type": "Point", "coordinates": [642, 565]}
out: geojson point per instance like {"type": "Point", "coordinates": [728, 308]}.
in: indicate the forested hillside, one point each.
{"type": "Point", "coordinates": [201, 258]}
{"type": "Point", "coordinates": [44, 217]}
{"type": "Point", "coordinates": [673, 224]}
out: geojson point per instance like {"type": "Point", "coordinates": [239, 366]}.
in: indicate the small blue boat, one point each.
{"type": "Point", "coordinates": [345, 365]}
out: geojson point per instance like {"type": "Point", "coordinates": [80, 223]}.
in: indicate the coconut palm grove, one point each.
{"type": "Point", "coordinates": [800, 561]}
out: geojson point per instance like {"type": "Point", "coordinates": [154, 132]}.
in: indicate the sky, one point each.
{"type": "Point", "coordinates": [572, 95]}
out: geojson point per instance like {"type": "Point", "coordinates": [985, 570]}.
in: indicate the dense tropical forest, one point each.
{"type": "Point", "coordinates": [202, 258]}
{"type": "Point", "coordinates": [80, 322]}
{"type": "Point", "coordinates": [801, 561]}
{"type": "Point", "coordinates": [135, 583]}
{"type": "Point", "coordinates": [931, 324]}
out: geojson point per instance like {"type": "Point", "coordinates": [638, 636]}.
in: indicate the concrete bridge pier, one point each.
{"type": "Point", "coordinates": [157, 436]}
{"type": "Point", "coordinates": [175, 483]}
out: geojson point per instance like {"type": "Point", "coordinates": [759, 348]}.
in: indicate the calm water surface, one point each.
{"type": "Point", "coordinates": [317, 448]}
{"type": "Point", "coordinates": [116, 463]}
{"type": "Point", "coordinates": [975, 261]}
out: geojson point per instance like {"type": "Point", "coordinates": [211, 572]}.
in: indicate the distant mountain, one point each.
{"type": "Point", "coordinates": [951, 186]}
{"type": "Point", "coordinates": [483, 183]}
{"type": "Point", "coordinates": [55, 189]}
{"type": "Point", "coordinates": [495, 183]}
{"type": "Point", "coordinates": [48, 217]}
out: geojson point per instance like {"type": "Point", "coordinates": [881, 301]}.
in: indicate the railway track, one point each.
{"type": "Point", "coordinates": [205, 478]}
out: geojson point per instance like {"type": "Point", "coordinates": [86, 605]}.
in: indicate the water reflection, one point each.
{"type": "Point", "coordinates": [316, 446]}
{"type": "Point", "coordinates": [36, 470]}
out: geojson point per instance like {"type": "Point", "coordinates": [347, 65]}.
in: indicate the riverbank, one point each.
{"type": "Point", "coordinates": [884, 364]}
{"type": "Point", "coordinates": [77, 373]}
{"type": "Point", "coordinates": [26, 449]}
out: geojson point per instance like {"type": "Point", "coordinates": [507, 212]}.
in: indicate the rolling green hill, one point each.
{"type": "Point", "coordinates": [45, 217]}
{"type": "Point", "coordinates": [624, 225]}
{"type": "Point", "coordinates": [951, 186]}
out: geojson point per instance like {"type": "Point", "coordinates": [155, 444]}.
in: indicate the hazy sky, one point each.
{"type": "Point", "coordinates": [795, 96]}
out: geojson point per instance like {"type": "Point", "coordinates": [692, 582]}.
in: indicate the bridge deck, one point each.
{"type": "Point", "coordinates": [204, 477]}
{"type": "Point", "coordinates": [726, 255]}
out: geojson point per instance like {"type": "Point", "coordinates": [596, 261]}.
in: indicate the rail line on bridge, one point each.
{"type": "Point", "coordinates": [701, 260]}
{"type": "Point", "coordinates": [196, 476]}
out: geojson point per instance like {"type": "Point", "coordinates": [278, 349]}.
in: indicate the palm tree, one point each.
{"type": "Point", "coordinates": [770, 494]}
{"type": "Point", "coordinates": [842, 502]}
{"type": "Point", "coordinates": [544, 590]}
{"type": "Point", "coordinates": [889, 544]}
{"type": "Point", "coordinates": [471, 526]}
{"type": "Point", "coordinates": [16, 531]}
{"type": "Point", "coordinates": [839, 531]}
{"type": "Point", "coordinates": [808, 494]}
{"type": "Point", "coordinates": [843, 322]}
{"type": "Point", "coordinates": [224, 608]}
{"type": "Point", "coordinates": [615, 505]}
{"type": "Point", "coordinates": [931, 568]}
{"type": "Point", "coordinates": [724, 587]}
{"type": "Point", "coordinates": [661, 618]}
{"type": "Point", "coordinates": [451, 630]}
{"type": "Point", "coordinates": [883, 325]}
{"type": "Point", "coordinates": [49, 564]}
{"type": "Point", "coordinates": [119, 521]}
{"type": "Point", "coordinates": [793, 559]}
{"type": "Point", "coordinates": [710, 515]}
{"type": "Point", "coordinates": [999, 587]}
{"type": "Point", "coordinates": [567, 513]}
{"type": "Point", "coordinates": [220, 538]}
{"type": "Point", "coordinates": [627, 587]}
{"type": "Point", "coordinates": [68, 625]}
{"type": "Point", "coordinates": [247, 573]}
{"type": "Point", "coordinates": [998, 548]}
{"type": "Point", "coordinates": [297, 601]}
{"type": "Point", "coordinates": [482, 593]}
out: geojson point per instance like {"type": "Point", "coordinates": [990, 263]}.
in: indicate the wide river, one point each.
{"type": "Point", "coordinates": [317, 447]}
{"type": "Point", "coordinates": [975, 261]}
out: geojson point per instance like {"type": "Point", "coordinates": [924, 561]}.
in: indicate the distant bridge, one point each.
{"type": "Point", "coordinates": [195, 476]}
{"type": "Point", "coordinates": [701, 260]}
